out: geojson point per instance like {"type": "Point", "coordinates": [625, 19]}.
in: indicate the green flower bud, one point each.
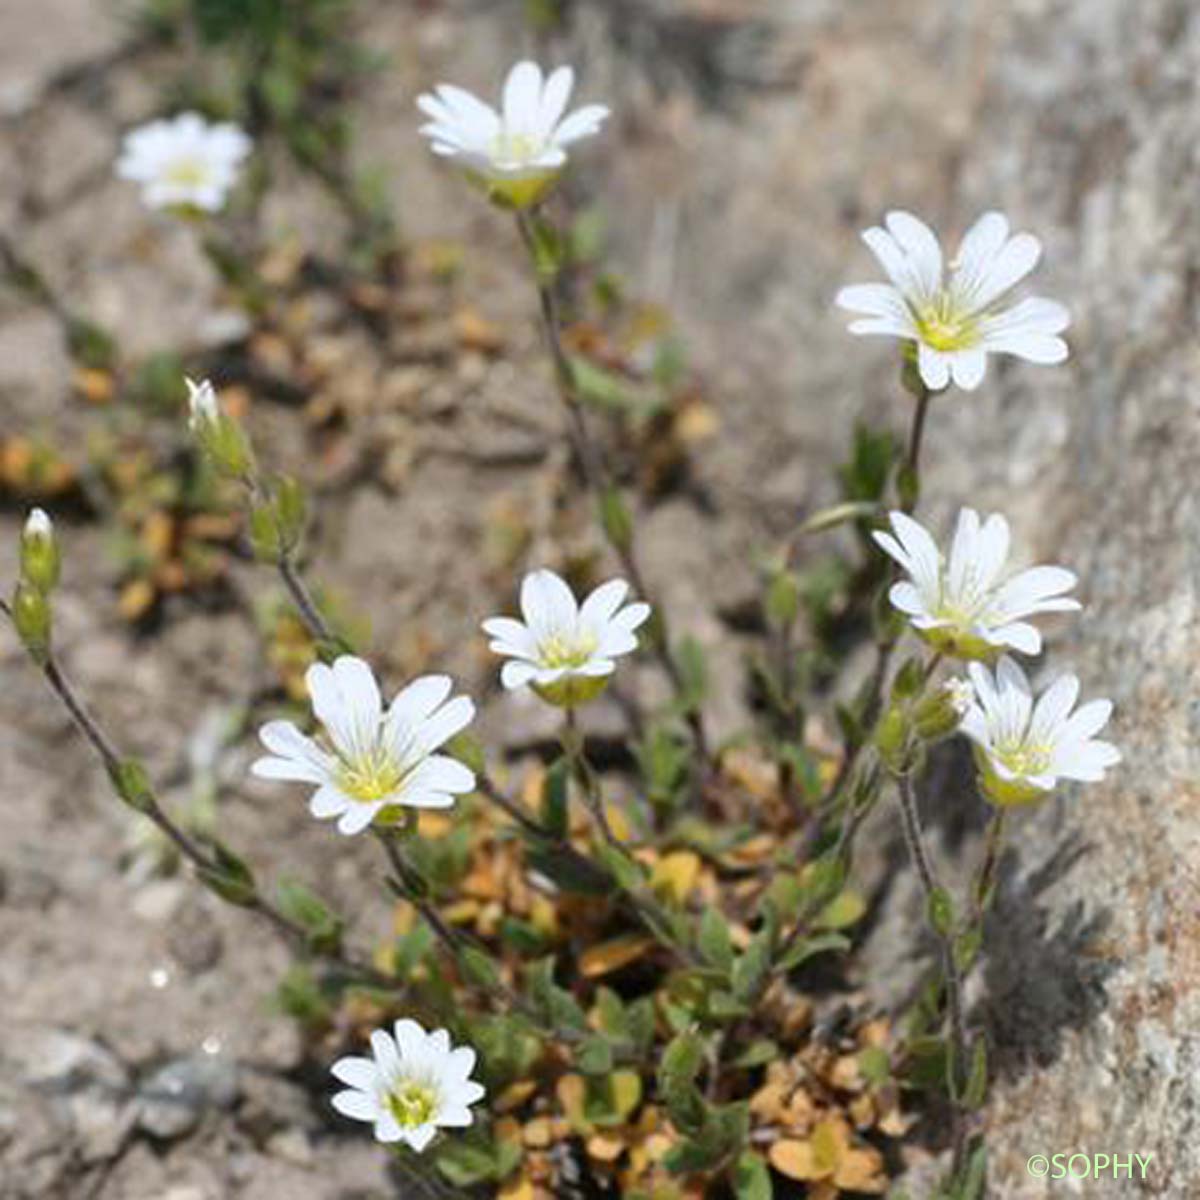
{"type": "Point", "coordinates": [40, 559]}
{"type": "Point", "coordinates": [894, 740]}
{"type": "Point", "coordinates": [940, 712]}
{"type": "Point", "coordinates": [32, 620]}
{"type": "Point", "coordinates": [219, 435]}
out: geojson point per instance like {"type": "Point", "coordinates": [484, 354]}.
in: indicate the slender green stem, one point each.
{"type": "Point", "coordinates": [985, 881]}
{"type": "Point", "coordinates": [596, 470]}
{"type": "Point", "coordinates": [645, 905]}
{"type": "Point", "coordinates": [916, 435]}
{"type": "Point", "coordinates": [303, 599]}
{"type": "Point", "coordinates": [910, 821]}
{"type": "Point", "coordinates": [152, 808]}
{"type": "Point", "coordinates": [454, 941]}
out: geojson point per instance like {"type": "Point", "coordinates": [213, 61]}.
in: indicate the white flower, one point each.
{"type": "Point", "coordinates": [38, 524]}
{"type": "Point", "coordinates": [1023, 749]}
{"type": "Point", "coordinates": [957, 322]}
{"type": "Point", "coordinates": [412, 1085]}
{"type": "Point", "coordinates": [375, 759]}
{"type": "Point", "coordinates": [519, 151]}
{"type": "Point", "coordinates": [969, 606]}
{"type": "Point", "coordinates": [184, 163]}
{"type": "Point", "coordinates": [202, 404]}
{"type": "Point", "coordinates": [563, 650]}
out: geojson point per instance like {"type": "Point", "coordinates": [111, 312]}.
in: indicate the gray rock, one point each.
{"type": "Point", "coordinates": [175, 1097]}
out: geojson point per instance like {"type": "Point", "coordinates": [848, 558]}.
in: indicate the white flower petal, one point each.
{"type": "Point", "coordinates": [438, 729]}
{"type": "Point", "coordinates": [968, 367]}
{"type": "Point", "coordinates": [438, 773]}
{"type": "Point", "coordinates": [517, 674]}
{"type": "Point", "coordinates": [420, 1137]}
{"type": "Point", "coordinates": [360, 1073]}
{"type": "Point", "coordinates": [1052, 708]}
{"type": "Point", "coordinates": [357, 817]}
{"type": "Point", "coordinates": [359, 1106]}
{"type": "Point", "coordinates": [584, 122]}
{"type": "Point", "coordinates": [599, 607]}
{"type": "Point", "coordinates": [418, 701]}
{"type": "Point", "coordinates": [1007, 268]}
{"type": "Point", "coordinates": [1086, 722]}
{"type": "Point", "coordinates": [522, 98]}
{"type": "Point", "coordinates": [328, 802]}
{"type": "Point", "coordinates": [920, 246]}
{"type": "Point", "coordinates": [555, 94]}
{"type": "Point", "coordinates": [934, 366]}
{"type": "Point", "coordinates": [547, 604]}
{"type": "Point", "coordinates": [510, 637]}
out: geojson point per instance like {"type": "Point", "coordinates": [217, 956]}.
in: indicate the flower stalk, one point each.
{"type": "Point", "coordinates": [596, 471]}
{"type": "Point", "coordinates": [941, 925]}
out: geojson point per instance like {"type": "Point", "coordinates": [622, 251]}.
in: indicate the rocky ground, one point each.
{"type": "Point", "coordinates": [139, 1058]}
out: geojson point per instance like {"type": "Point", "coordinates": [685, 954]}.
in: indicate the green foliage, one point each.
{"type": "Point", "coordinates": [229, 876]}
{"type": "Point", "coordinates": [322, 926]}
{"type": "Point", "coordinates": [476, 1158]}
{"type": "Point", "coordinates": [750, 1178]}
{"type": "Point", "coordinates": [865, 475]}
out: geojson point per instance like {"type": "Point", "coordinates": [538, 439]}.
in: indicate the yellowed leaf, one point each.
{"type": "Point", "coordinates": [613, 955]}
{"type": "Point", "coordinates": [675, 875]}
{"type": "Point", "coordinates": [605, 1147]}
{"type": "Point", "coordinates": [861, 1170]}
{"type": "Point", "coordinates": [537, 1133]}
{"type": "Point", "coordinates": [796, 1160]}
{"type": "Point", "coordinates": [515, 1095]}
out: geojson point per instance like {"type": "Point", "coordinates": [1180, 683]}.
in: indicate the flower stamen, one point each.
{"type": "Point", "coordinates": [413, 1104]}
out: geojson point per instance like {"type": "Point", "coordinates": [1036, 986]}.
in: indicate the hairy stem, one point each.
{"type": "Point", "coordinates": [597, 473]}
{"type": "Point", "coordinates": [911, 824]}
{"type": "Point", "coordinates": [152, 808]}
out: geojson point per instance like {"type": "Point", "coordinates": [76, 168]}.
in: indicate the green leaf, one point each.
{"type": "Point", "coordinates": [615, 518]}
{"type": "Point", "coordinates": [751, 1179]}
{"type": "Point", "coordinates": [229, 876]}
{"type": "Point", "coordinates": [132, 784]}
{"type": "Point", "coordinates": [805, 948]}
{"type": "Point", "coordinates": [693, 670]}
{"type": "Point", "coordinates": [760, 1052]}
{"type": "Point", "coordinates": [571, 872]}
{"type": "Point", "coordinates": [677, 1071]}
{"type": "Point", "coordinates": [594, 1056]}
{"type": "Point", "coordinates": [966, 947]}
{"type": "Point", "coordinates": [714, 941]}
{"type": "Point", "coordinates": [865, 476]}
{"type": "Point", "coordinates": [322, 926]}
{"type": "Point", "coordinates": [411, 949]}
{"type": "Point", "coordinates": [555, 790]}
{"type": "Point", "coordinates": [783, 599]}
{"type": "Point", "coordinates": [750, 970]}
{"type": "Point", "coordinates": [558, 1006]}
{"type": "Point", "coordinates": [941, 912]}
{"type": "Point", "coordinates": [844, 910]}
{"type": "Point", "coordinates": [479, 968]}
{"type": "Point", "coordinates": [875, 1064]}
{"type": "Point", "coordinates": [976, 1089]}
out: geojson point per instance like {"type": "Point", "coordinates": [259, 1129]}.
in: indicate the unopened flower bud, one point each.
{"type": "Point", "coordinates": [219, 435]}
{"type": "Point", "coordinates": [939, 713]}
{"type": "Point", "coordinates": [40, 560]}
{"type": "Point", "coordinates": [31, 618]}
{"type": "Point", "coordinates": [894, 740]}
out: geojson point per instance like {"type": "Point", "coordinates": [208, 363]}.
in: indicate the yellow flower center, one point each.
{"type": "Point", "coordinates": [516, 147]}
{"type": "Point", "coordinates": [944, 328]}
{"type": "Point", "coordinates": [187, 172]}
{"type": "Point", "coordinates": [1023, 758]}
{"type": "Point", "coordinates": [559, 650]}
{"type": "Point", "coordinates": [412, 1104]}
{"type": "Point", "coordinates": [369, 776]}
